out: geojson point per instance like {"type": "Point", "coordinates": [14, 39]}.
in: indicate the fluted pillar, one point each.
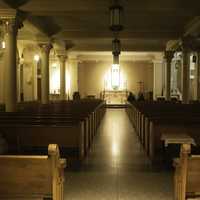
{"type": "Point", "coordinates": [62, 60]}
{"type": "Point", "coordinates": [168, 57]}
{"type": "Point", "coordinates": [11, 29]}
{"type": "Point", "coordinates": [45, 51]}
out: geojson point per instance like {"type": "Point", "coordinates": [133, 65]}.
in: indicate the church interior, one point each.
{"type": "Point", "coordinates": [99, 99]}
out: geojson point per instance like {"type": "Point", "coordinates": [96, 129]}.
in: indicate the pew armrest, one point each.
{"type": "Point", "coordinates": [58, 166]}
{"type": "Point", "coordinates": [177, 178]}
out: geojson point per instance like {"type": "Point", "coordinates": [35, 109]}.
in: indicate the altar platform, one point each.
{"type": "Point", "coordinates": [116, 98]}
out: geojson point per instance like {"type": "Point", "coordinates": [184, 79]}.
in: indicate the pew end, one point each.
{"type": "Point", "coordinates": [32, 177]}
{"type": "Point", "coordinates": [191, 188]}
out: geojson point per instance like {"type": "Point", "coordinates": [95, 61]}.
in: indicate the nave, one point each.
{"type": "Point", "coordinates": [117, 167]}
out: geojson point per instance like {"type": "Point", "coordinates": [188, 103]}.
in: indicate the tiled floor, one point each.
{"type": "Point", "coordinates": [117, 168]}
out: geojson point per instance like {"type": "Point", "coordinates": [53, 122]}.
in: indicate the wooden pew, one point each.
{"type": "Point", "coordinates": [71, 124]}
{"type": "Point", "coordinates": [187, 175]}
{"type": "Point", "coordinates": [150, 119]}
{"type": "Point", "coordinates": [49, 119]}
{"type": "Point", "coordinates": [93, 109]}
{"type": "Point", "coordinates": [27, 137]}
{"type": "Point", "coordinates": [32, 177]}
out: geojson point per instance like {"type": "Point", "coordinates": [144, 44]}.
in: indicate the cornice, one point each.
{"type": "Point", "coordinates": [8, 13]}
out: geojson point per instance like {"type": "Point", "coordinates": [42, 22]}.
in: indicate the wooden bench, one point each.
{"type": "Point", "coordinates": [150, 119]}
{"type": "Point", "coordinates": [32, 177]}
{"type": "Point", "coordinates": [49, 119]}
{"type": "Point", "coordinates": [70, 124]}
{"type": "Point", "coordinates": [27, 137]}
{"type": "Point", "coordinates": [187, 175]}
{"type": "Point", "coordinates": [92, 109]}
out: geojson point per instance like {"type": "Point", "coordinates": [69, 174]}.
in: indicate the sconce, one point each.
{"type": "Point", "coordinates": [3, 45]}
{"type": "Point", "coordinates": [36, 57]}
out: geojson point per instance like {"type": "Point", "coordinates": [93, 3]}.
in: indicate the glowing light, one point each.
{"type": "Point", "coordinates": [55, 79]}
{"type": "Point", "coordinates": [114, 79]}
{"type": "Point", "coordinates": [68, 83]}
{"type": "Point", "coordinates": [115, 149]}
{"type": "Point", "coordinates": [192, 77]}
{"type": "Point", "coordinates": [115, 73]}
{"type": "Point", "coordinates": [54, 65]}
{"type": "Point", "coordinates": [36, 57]}
{"type": "Point", "coordinates": [3, 45]}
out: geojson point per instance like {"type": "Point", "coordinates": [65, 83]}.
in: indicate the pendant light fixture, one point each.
{"type": "Point", "coordinates": [116, 17]}
{"type": "Point", "coordinates": [116, 50]}
{"type": "Point", "coordinates": [116, 26]}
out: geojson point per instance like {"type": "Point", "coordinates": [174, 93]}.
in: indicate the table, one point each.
{"type": "Point", "coordinates": [182, 139]}
{"type": "Point", "coordinates": [173, 138]}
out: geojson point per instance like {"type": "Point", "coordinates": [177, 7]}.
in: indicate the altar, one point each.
{"type": "Point", "coordinates": [115, 86]}
{"type": "Point", "coordinates": [115, 97]}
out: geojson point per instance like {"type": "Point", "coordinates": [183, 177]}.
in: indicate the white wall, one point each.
{"type": "Point", "coordinates": [91, 76]}
{"type": "Point", "coordinates": [73, 73]}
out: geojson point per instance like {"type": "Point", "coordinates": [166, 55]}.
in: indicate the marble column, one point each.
{"type": "Point", "coordinates": [168, 57]}
{"type": "Point", "coordinates": [62, 60]}
{"type": "Point", "coordinates": [11, 30]}
{"type": "Point", "coordinates": [185, 75]}
{"type": "Point", "coordinates": [45, 51]}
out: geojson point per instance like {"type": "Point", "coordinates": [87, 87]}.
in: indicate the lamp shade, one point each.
{"type": "Point", "coordinates": [116, 18]}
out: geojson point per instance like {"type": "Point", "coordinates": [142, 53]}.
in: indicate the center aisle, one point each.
{"type": "Point", "coordinates": [117, 168]}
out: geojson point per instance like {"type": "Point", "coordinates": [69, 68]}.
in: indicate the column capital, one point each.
{"type": "Point", "coordinates": [62, 58]}
{"type": "Point", "coordinates": [45, 47]}
{"type": "Point", "coordinates": [12, 20]}
{"type": "Point", "coordinates": [62, 55]}
{"type": "Point", "coordinates": [11, 25]}
{"type": "Point", "coordinates": [73, 58]}
{"type": "Point", "coordinates": [169, 56]}
{"type": "Point", "coordinates": [157, 61]}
